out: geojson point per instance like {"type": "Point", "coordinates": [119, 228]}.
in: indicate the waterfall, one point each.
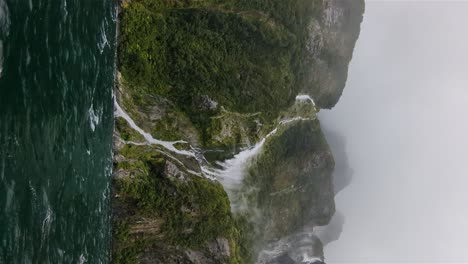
{"type": "Point", "coordinates": [169, 145]}
{"type": "Point", "coordinates": [232, 171]}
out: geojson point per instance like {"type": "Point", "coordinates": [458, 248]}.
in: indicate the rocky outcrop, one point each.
{"type": "Point", "coordinates": [332, 36]}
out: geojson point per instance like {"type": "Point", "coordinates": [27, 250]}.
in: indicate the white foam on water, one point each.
{"type": "Point", "coordinates": [33, 191]}
{"type": "Point", "coordinates": [10, 195]}
{"type": "Point", "coordinates": [103, 42]}
{"type": "Point", "coordinates": [1, 58]}
{"type": "Point", "coordinates": [2, 171]}
{"type": "Point", "coordinates": [4, 18]}
{"type": "Point", "coordinates": [65, 10]}
{"type": "Point", "coordinates": [94, 117]}
{"type": "Point", "coordinates": [48, 219]}
{"type": "Point", "coordinates": [28, 57]}
{"type": "Point", "coordinates": [82, 259]}
{"type": "Point", "coordinates": [4, 30]}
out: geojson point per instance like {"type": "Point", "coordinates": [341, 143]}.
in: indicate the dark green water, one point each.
{"type": "Point", "coordinates": [56, 121]}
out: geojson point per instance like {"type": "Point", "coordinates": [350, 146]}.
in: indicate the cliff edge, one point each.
{"type": "Point", "coordinates": [218, 154]}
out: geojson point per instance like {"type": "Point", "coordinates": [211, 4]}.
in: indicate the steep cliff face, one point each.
{"type": "Point", "coordinates": [287, 187]}
{"type": "Point", "coordinates": [332, 36]}
{"type": "Point", "coordinates": [291, 179]}
{"type": "Point", "coordinates": [208, 93]}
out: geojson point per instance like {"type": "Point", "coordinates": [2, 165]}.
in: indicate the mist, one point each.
{"type": "Point", "coordinates": [404, 118]}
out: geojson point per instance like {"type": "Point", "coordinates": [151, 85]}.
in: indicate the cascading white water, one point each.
{"type": "Point", "coordinates": [169, 145]}
{"type": "Point", "coordinates": [231, 176]}
{"type": "Point", "coordinates": [232, 173]}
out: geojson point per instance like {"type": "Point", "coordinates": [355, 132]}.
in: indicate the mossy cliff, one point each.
{"type": "Point", "coordinates": [210, 78]}
{"type": "Point", "coordinates": [291, 179]}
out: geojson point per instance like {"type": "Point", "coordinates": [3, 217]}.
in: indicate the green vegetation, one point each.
{"type": "Point", "coordinates": [242, 246]}
{"type": "Point", "coordinates": [156, 115]}
{"type": "Point", "coordinates": [126, 132]}
{"type": "Point", "coordinates": [154, 207]}
{"type": "Point", "coordinates": [291, 180]}
{"type": "Point", "coordinates": [218, 74]}
{"type": "Point", "coordinates": [245, 55]}
{"type": "Point", "coordinates": [206, 205]}
{"type": "Point", "coordinates": [157, 206]}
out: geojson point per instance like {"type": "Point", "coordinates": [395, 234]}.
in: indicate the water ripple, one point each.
{"type": "Point", "coordinates": [54, 170]}
{"type": "Point", "coordinates": [4, 29]}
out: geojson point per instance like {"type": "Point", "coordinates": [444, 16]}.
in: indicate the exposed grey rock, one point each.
{"type": "Point", "coordinates": [206, 103]}
{"type": "Point", "coordinates": [331, 42]}
{"type": "Point", "coordinates": [171, 170]}
{"type": "Point", "coordinates": [216, 252]}
{"type": "Point", "coordinates": [220, 247]}
{"type": "Point", "coordinates": [117, 142]}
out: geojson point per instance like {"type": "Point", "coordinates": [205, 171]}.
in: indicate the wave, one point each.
{"type": "Point", "coordinates": [4, 29]}
{"type": "Point", "coordinates": [4, 19]}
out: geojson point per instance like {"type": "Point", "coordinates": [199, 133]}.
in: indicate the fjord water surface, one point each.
{"type": "Point", "coordinates": [56, 122]}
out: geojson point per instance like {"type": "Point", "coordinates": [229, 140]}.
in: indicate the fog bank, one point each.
{"type": "Point", "coordinates": [404, 117]}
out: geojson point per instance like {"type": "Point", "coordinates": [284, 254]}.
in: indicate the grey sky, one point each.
{"type": "Point", "coordinates": [404, 115]}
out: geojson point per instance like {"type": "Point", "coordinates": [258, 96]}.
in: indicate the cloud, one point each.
{"type": "Point", "coordinates": [404, 116]}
